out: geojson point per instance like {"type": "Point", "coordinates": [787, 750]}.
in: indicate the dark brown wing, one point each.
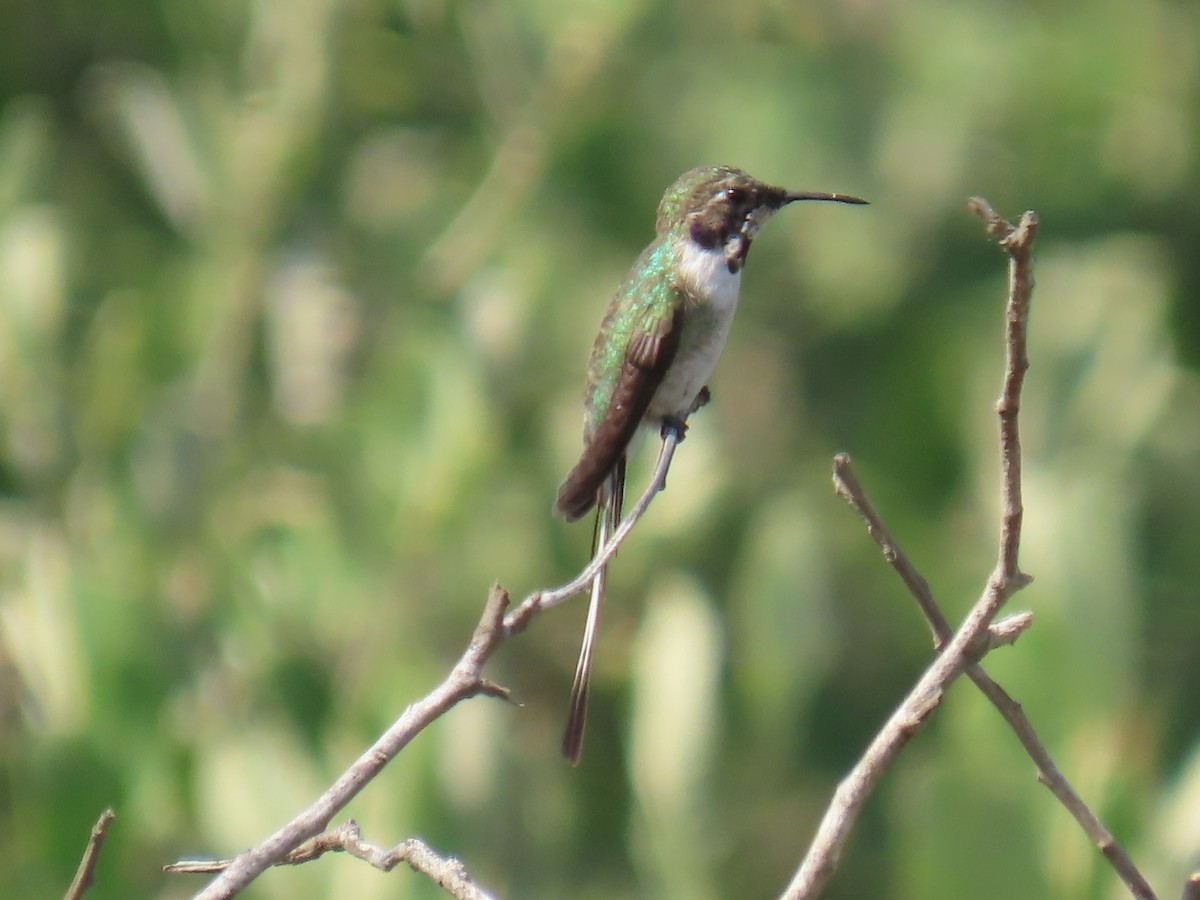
{"type": "Point", "coordinates": [647, 358]}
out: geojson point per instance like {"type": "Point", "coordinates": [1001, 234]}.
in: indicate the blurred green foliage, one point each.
{"type": "Point", "coordinates": [294, 303]}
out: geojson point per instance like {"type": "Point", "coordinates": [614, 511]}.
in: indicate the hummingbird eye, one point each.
{"type": "Point", "coordinates": [735, 195]}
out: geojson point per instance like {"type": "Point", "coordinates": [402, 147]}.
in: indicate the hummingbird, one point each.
{"type": "Point", "coordinates": [658, 343]}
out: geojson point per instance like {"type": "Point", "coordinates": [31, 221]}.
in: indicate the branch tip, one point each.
{"type": "Point", "coordinates": [997, 226]}
{"type": "Point", "coordinates": [85, 874]}
{"type": "Point", "coordinates": [491, 624]}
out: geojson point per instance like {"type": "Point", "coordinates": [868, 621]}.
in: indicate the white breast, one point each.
{"type": "Point", "coordinates": [713, 296]}
{"type": "Point", "coordinates": [706, 274]}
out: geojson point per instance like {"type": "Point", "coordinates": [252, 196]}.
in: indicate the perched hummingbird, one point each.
{"type": "Point", "coordinates": [658, 343]}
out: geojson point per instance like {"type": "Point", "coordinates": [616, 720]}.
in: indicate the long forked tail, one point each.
{"type": "Point", "coordinates": [608, 517]}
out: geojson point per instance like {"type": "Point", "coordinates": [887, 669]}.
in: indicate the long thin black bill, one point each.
{"type": "Point", "coordinates": [822, 195]}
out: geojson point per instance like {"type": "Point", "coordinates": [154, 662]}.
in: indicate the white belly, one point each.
{"type": "Point", "coordinates": [713, 296]}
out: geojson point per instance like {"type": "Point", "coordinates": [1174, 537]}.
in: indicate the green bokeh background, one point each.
{"type": "Point", "coordinates": [295, 297]}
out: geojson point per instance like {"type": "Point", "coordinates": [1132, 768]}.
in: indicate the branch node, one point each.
{"type": "Point", "coordinates": [516, 621]}
{"type": "Point", "coordinates": [488, 688]}
{"type": "Point", "coordinates": [490, 629]}
{"type": "Point", "coordinates": [1014, 581]}
{"type": "Point", "coordinates": [1008, 629]}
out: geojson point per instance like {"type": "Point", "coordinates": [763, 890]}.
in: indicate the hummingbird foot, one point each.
{"type": "Point", "coordinates": [702, 399]}
{"type": "Point", "coordinates": [674, 425]}
{"type": "Point", "coordinates": [678, 424]}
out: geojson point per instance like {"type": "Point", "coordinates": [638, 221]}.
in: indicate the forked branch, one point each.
{"type": "Point", "coordinates": [1048, 773]}
{"type": "Point", "coordinates": [465, 680]}
{"type": "Point", "coordinates": [969, 643]}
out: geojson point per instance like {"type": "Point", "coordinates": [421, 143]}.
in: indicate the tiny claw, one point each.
{"type": "Point", "coordinates": [675, 425]}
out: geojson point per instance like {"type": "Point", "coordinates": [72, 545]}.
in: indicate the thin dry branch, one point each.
{"type": "Point", "coordinates": [86, 873]}
{"type": "Point", "coordinates": [540, 600]}
{"type": "Point", "coordinates": [1017, 242]}
{"type": "Point", "coordinates": [465, 680]}
{"type": "Point", "coordinates": [848, 486]}
{"type": "Point", "coordinates": [447, 872]}
{"type": "Point", "coordinates": [970, 641]}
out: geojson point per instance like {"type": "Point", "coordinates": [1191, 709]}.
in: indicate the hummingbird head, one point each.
{"type": "Point", "coordinates": [722, 208]}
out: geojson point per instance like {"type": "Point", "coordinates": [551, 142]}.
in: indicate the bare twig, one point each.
{"type": "Point", "coordinates": [847, 486]}
{"type": "Point", "coordinates": [465, 680]}
{"type": "Point", "coordinates": [539, 600]}
{"type": "Point", "coordinates": [1049, 775]}
{"type": "Point", "coordinates": [447, 872]}
{"type": "Point", "coordinates": [86, 873]}
{"type": "Point", "coordinates": [1017, 242]}
{"type": "Point", "coordinates": [969, 641]}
